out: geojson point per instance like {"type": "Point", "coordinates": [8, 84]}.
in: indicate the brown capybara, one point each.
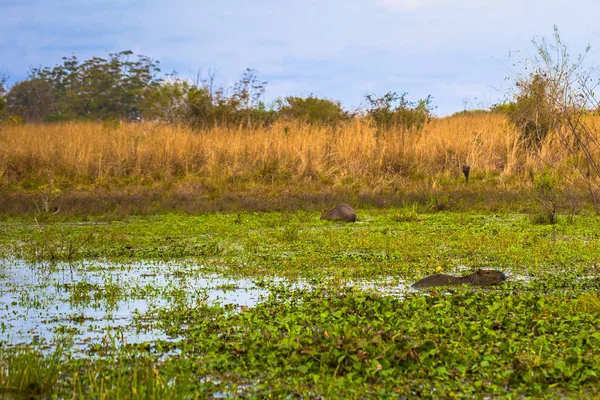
{"type": "Point", "coordinates": [482, 277]}
{"type": "Point", "coordinates": [342, 212]}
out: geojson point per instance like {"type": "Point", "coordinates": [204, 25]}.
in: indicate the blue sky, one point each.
{"type": "Point", "coordinates": [459, 51]}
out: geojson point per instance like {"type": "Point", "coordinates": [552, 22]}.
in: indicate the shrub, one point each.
{"type": "Point", "coordinates": [503, 108]}
{"type": "Point", "coordinates": [558, 95]}
{"type": "Point", "coordinates": [199, 105]}
{"type": "Point", "coordinates": [404, 115]}
{"type": "Point", "coordinates": [178, 101]}
{"type": "Point", "coordinates": [532, 113]}
{"type": "Point", "coordinates": [311, 110]}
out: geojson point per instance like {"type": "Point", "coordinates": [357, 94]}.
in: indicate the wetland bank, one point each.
{"type": "Point", "coordinates": [148, 260]}
{"type": "Point", "coordinates": [286, 304]}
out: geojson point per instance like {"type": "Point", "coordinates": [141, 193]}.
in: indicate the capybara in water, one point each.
{"type": "Point", "coordinates": [482, 277]}
{"type": "Point", "coordinates": [342, 212]}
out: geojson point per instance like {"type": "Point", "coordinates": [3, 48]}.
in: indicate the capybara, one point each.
{"type": "Point", "coordinates": [342, 212]}
{"type": "Point", "coordinates": [482, 277]}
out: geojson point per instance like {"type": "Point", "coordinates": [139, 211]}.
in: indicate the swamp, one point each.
{"type": "Point", "coordinates": [286, 305]}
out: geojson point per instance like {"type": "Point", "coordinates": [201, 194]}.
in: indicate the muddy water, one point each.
{"type": "Point", "coordinates": [99, 303]}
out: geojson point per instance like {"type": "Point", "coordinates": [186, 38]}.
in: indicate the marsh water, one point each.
{"type": "Point", "coordinates": [96, 302]}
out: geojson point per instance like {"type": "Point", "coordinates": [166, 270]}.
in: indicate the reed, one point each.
{"type": "Point", "coordinates": [26, 372]}
{"type": "Point", "coordinates": [81, 155]}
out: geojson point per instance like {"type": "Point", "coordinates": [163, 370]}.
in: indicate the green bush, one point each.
{"type": "Point", "coordinates": [311, 109]}
{"type": "Point", "coordinates": [532, 112]}
{"type": "Point", "coordinates": [504, 108]}
{"type": "Point", "coordinates": [177, 101]}
{"type": "Point", "coordinates": [199, 105]}
{"type": "Point", "coordinates": [404, 115]}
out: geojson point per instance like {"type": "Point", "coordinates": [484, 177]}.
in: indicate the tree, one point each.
{"type": "Point", "coordinates": [532, 113]}
{"type": "Point", "coordinates": [564, 93]}
{"type": "Point", "coordinates": [95, 89]}
{"type": "Point", "coordinates": [200, 105]}
{"type": "Point", "coordinates": [3, 80]}
{"type": "Point", "coordinates": [176, 101]}
{"type": "Point", "coordinates": [248, 90]}
{"type": "Point", "coordinates": [33, 99]}
{"type": "Point", "coordinates": [244, 106]}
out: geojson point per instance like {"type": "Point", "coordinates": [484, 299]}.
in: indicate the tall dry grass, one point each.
{"type": "Point", "coordinates": [84, 155]}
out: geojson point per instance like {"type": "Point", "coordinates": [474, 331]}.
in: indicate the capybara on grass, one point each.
{"type": "Point", "coordinates": [342, 212]}
{"type": "Point", "coordinates": [482, 277]}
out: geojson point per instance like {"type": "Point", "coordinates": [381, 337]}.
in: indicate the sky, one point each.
{"type": "Point", "coordinates": [464, 53]}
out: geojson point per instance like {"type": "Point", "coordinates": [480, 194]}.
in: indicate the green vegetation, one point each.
{"type": "Point", "coordinates": [532, 111]}
{"type": "Point", "coordinates": [351, 344]}
{"type": "Point", "coordinates": [559, 96]}
{"type": "Point", "coordinates": [28, 372]}
{"type": "Point", "coordinates": [123, 88]}
{"type": "Point", "coordinates": [312, 110]}
{"type": "Point", "coordinates": [402, 242]}
{"type": "Point", "coordinates": [395, 111]}
{"type": "Point", "coordinates": [3, 79]}
{"type": "Point", "coordinates": [342, 324]}
{"type": "Point", "coordinates": [94, 89]}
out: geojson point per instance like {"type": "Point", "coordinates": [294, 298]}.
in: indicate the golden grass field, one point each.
{"type": "Point", "coordinates": [94, 153]}
{"type": "Point", "coordinates": [353, 157]}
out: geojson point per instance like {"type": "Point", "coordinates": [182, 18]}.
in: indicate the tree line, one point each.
{"type": "Point", "coordinates": [124, 86]}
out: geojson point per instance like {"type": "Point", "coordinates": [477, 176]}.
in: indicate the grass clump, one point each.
{"type": "Point", "coordinates": [26, 372]}
{"type": "Point", "coordinates": [407, 214]}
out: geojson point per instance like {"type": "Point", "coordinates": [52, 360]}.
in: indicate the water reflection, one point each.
{"type": "Point", "coordinates": [98, 303]}
{"type": "Point", "coordinates": [93, 302]}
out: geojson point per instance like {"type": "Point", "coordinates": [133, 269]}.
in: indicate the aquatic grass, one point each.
{"type": "Point", "coordinates": [407, 214]}
{"type": "Point", "coordinates": [27, 372]}
{"type": "Point", "coordinates": [82, 292]}
{"type": "Point", "coordinates": [588, 302]}
{"type": "Point", "coordinates": [125, 375]}
{"type": "Point", "coordinates": [57, 247]}
{"type": "Point", "coordinates": [338, 342]}
{"type": "Point", "coordinates": [265, 244]}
